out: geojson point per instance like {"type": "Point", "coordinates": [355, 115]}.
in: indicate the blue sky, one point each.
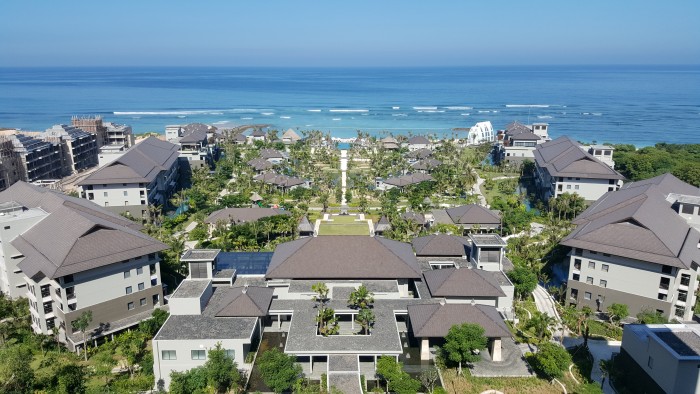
{"type": "Point", "coordinates": [348, 33]}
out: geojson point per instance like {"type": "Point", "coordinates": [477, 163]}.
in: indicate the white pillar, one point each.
{"type": "Point", "coordinates": [279, 321]}
{"type": "Point", "coordinates": [496, 349]}
{"type": "Point", "coordinates": [311, 365]}
{"type": "Point", "coordinates": [425, 349]}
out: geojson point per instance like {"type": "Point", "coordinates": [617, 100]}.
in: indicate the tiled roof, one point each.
{"type": "Point", "coordinates": [462, 282]}
{"type": "Point", "coordinates": [246, 302]}
{"type": "Point", "coordinates": [441, 245]}
{"type": "Point", "coordinates": [435, 320]}
{"type": "Point", "coordinates": [563, 157]}
{"type": "Point", "coordinates": [343, 257]}
{"type": "Point", "coordinates": [243, 215]}
{"type": "Point", "coordinates": [418, 140]}
{"type": "Point", "coordinates": [426, 164]}
{"type": "Point", "coordinates": [142, 163]}
{"type": "Point", "coordinates": [471, 214]}
{"type": "Point", "coordinates": [421, 153]}
{"type": "Point", "coordinates": [409, 179]}
{"type": "Point", "coordinates": [77, 235]}
{"type": "Point", "coordinates": [639, 222]}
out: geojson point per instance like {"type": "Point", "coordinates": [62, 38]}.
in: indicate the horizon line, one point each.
{"type": "Point", "coordinates": [360, 66]}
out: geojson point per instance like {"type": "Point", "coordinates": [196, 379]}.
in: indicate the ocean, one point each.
{"type": "Point", "coordinates": [642, 105]}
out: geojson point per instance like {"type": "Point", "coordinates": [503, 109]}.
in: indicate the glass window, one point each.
{"type": "Point", "coordinates": [586, 296]}
{"type": "Point", "coordinates": [577, 264]}
{"type": "Point", "coordinates": [168, 355]}
{"type": "Point", "coordinates": [687, 209]}
{"type": "Point", "coordinates": [127, 274]}
{"type": "Point", "coordinates": [576, 277]}
{"type": "Point", "coordinates": [603, 283]}
{"type": "Point", "coordinates": [126, 193]}
{"type": "Point", "coordinates": [680, 311]}
{"type": "Point", "coordinates": [139, 270]}
{"type": "Point", "coordinates": [666, 269]}
{"type": "Point", "coordinates": [199, 355]}
{"type": "Point", "coordinates": [576, 187]}
{"type": "Point", "coordinates": [105, 194]}
{"type": "Point", "coordinates": [568, 187]}
{"type": "Point", "coordinates": [130, 306]}
{"type": "Point", "coordinates": [128, 289]}
{"type": "Point", "coordinates": [685, 280]}
{"type": "Point", "coordinates": [141, 286]}
{"type": "Point", "coordinates": [605, 267]}
{"type": "Point", "coordinates": [230, 353]}
{"type": "Point", "coordinates": [591, 264]}
{"type": "Point", "coordinates": [589, 280]}
{"type": "Point", "coordinates": [143, 302]}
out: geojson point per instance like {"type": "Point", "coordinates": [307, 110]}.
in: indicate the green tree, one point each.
{"type": "Point", "coordinates": [81, 324]}
{"type": "Point", "coordinates": [552, 360]}
{"type": "Point", "coordinates": [193, 381]}
{"type": "Point", "coordinates": [396, 378]}
{"type": "Point", "coordinates": [428, 378]}
{"type": "Point", "coordinates": [617, 312]}
{"type": "Point", "coordinates": [130, 345]}
{"type": "Point", "coordinates": [221, 370]}
{"type": "Point", "coordinates": [366, 319]}
{"type": "Point", "coordinates": [103, 362]}
{"type": "Point", "coordinates": [151, 326]}
{"type": "Point", "coordinates": [524, 280]}
{"type": "Point", "coordinates": [541, 323]}
{"type": "Point", "coordinates": [361, 298]}
{"type": "Point", "coordinates": [462, 343]}
{"type": "Point", "coordinates": [71, 379]}
{"type": "Point", "coordinates": [16, 374]}
{"type": "Point", "coordinates": [648, 316]}
{"type": "Point", "coordinates": [278, 370]}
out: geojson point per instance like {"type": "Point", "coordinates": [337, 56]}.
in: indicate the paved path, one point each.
{"type": "Point", "coordinates": [601, 350]}
{"type": "Point", "coordinates": [343, 175]}
{"type": "Point", "coordinates": [476, 189]}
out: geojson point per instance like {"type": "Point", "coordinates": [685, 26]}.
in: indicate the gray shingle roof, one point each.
{"type": "Point", "coordinates": [271, 154]}
{"type": "Point", "coordinates": [141, 163]}
{"type": "Point", "coordinates": [441, 245]}
{"type": "Point", "coordinates": [515, 128]}
{"type": "Point", "coordinates": [421, 153]}
{"type": "Point", "coordinates": [242, 215]}
{"type": "Point", "coordinates": [410, 179]}
{"type": "Point", "coordinates": [182, 327]}
{"type": "Point", "coordinates": [291, 135]}
{"type": "Point", "coordinates": [260, 164]}
{"type": "Point", "coordinates": [426, 164]}
{"type": "Point", "coordinates": [279, 180]}
{"type": "Point", "coordinates": [305, 225]}
{"type": "Point", "coordinates": [415, 217]}
{"type": "Point", "coordinates": [418, 140]}
{"type": "Point", "coordinates": [462, 282]}
{"type": "Point", "coordinates": [343, 257]}
{"type": "Point", "coordinates": [563, 157]}
{"type": "Point", "coordinates": [471, 214]}
{"type": "Point", "coordinates": [246, 302]}
{"type": "Point", "coordinates": [77, 235]}
{"type": "Point", "coordinates": [639, 222]}
{"type": "Point", "coordinates": [194, 137]}
{"type": "Point", "coordinates": [435, 320]}
{"type": "Point", "coordinates": [382, 225]}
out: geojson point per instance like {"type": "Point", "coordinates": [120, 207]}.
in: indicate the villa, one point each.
{"type": "Point", "coordinates": [220, 304]}
{"type": "Point", "coordinates": [518, 141]}
{"type": "Point", "coordinates": [401, 182]}
{"type": "Point", "coordinates": [471, 217]}
{"type": "Point", "coordinates": [418, 142]}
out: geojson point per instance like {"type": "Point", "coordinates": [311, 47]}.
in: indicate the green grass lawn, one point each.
{"type": "Point", "coordinates": [343, 225]}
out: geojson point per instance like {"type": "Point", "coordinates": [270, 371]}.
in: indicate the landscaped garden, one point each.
{"type": "Point", "coordinates": [343, 225]}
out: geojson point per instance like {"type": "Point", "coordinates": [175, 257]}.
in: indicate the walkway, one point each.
{"type": "Point", "coordinates": [601, 350]}
{"type": "Point", "coordinates": [344, 373]}
{"type": "Point", "coordinates": [546, 304]}
{"type": "Point", "coordinates": [343, 174]}
{"type": "Point", "coordinates": [513, 363]}
{"type": "Point", "coordinates": [476, 189]}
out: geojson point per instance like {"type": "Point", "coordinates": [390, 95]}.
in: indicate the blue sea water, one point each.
{"type": "Point", "coordinates": [618, 104]}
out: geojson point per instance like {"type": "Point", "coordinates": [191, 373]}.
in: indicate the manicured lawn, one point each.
{"type": "Point", "coordinates": [470, 384]}
{"type": "Point", "coordinates": [343, 225]}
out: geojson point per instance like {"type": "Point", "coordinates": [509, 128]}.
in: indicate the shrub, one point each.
{"type": "Point", "coordinates": [552, 360]}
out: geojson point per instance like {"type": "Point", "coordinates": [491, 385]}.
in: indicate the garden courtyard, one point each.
{"type": "Point", "coordinates": [343, 225]}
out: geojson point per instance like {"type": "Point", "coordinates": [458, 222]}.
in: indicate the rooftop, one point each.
{"type": "Point", "coordinates": [190, 289]}
{"type": "Point", "coordinates": [245, 263]}
{"type": "Point", "coordinates": [200, 255]}
{"type": "Point", "coordinates": [487, 240]}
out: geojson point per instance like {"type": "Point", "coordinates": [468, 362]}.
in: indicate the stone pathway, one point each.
{"type": "Point", "coordinates": [546, 304]}
{"type": "Point", "coordinates": [343, 175]}
{"type": "Point", "coordinates": [513, 363]}
{"type": "Point", "coordinates": [476, 189]}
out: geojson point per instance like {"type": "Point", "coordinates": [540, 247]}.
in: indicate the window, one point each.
{"type": "Point", "coordinates": [168, 355]}
{"type": "Point", "coordinates": [199, 355]}
{"type": "Point", "coordinates": [576, 277]}
{"type": "Point", "coordinates": [606, 254]}
{"type": "Point", "coordinates": [105, 194]}
{"type": "Point", "coordinates": [605, 267]}
{"type": "Point", "coordinates": [151, 256]}
{"type": "Point", "coordinates": [568, 187]}
{"type": "Point", "coordinates": [589, 280]}
{"type": "Point", "coordinates": [155, 299]}
{"type": "Point", "coordinates": [650, 362]}
{"type": "Point", "coordinates": [577, 264]}
{"type": "Point", "coordinates": [586, 296]}
{"type": "Point", "coordinates": [130, 306]}
{"type": "Point", "coordinates": [139, 270]}
{"type": "Point", "coordinates": [680, 311]}
{"type": "Point", "coordinates": [662, 296]}
{"type": "Point", "coordinates": [603, 283]}
{"type": "Point", "coordinates": [230, 353]}
{"type": "Point", "coordinates": [611, 189]}
{"type": "Point", "coordinates": [128, 289]}
{"type": "Point", "coordinates": [593, 252]}
{"type": "Point", "coordinates": [127, 274]}
{"type": "Point", "coordinates": [576, 187]}
{"type": "Point", "coordinates": [574, 294]}
{"type": "Point", "coordinates": [685, 280]}
{"type": "Point", "coordinates": [578, 252]}
{"type": "Point", "coordinates": [142, 302]}
{"type": "Point", "coordinates": [591, 264]}
{"type": "Point", "coordinates": [126, 193]}
{"type": "Point", "coordinates": [666, 269]}
{"type": "Point", "coordinates": [663, 283]}
{"type": "Point", "coordinates": [68, 279]}
{"type": "Point", "coordinates": [682, 295]}
{"type": "Point", "coordinates": [141, 286]}
{"type": "Point", "coordinates": [143, 202]}
{"type": "Point", "coordinates": [687, 209]}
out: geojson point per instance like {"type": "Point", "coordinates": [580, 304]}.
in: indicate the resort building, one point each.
{"type": "Point", "coordinates": [426, 166]}
{"type": "Point", "coordinates": [563, 166]}
{"type": "Point", "coordinates": [636, 246]}
{"type": "Point", "coordinates": [273, 156]}
{"type": "Point", "coordinates": [518, 141]}
{"type": "Point", "coordinates": [260, 165]}
{"type": "Point", "coordinates": [603, 153]}
{"type": "Point", "coordinates": [146, 175]}
{"type": "Point", "coordinates": [257, 135]}
{"type": "Point", "coordinates": [290, 137]}
{"type": "Point", "coordinates": [234, 216]}
{"type": "Point", "coordinates": [473, 218]}
{"type": "Point", "coordinates": [78, 148]}
{"type": "Point", "coordinates": [665, 357]}
{"type": "Point", "coordinates": [418, 142]}
{"type": "Point", "coordinates": [417, 155]}
{"type": "Point", "coordinates": [195, 148]}
{"type": "Point", "coordinates": [282, 183]}
{"type": "Point", "coordinates": [99, 262]}
{"type": "Point", "coordinates": [401, 182]}
{"type": "Point", "coordinates": [272, 295]}
{"type": "Point", "coordinates": [390, 143]}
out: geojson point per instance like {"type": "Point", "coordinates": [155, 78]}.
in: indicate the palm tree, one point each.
{"type": "Point", "coordinates": [361, 298]}
{"type": "Point", "coordinates": [366, 319]}
{"type": "Point", "coordinates": [541, 323]}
